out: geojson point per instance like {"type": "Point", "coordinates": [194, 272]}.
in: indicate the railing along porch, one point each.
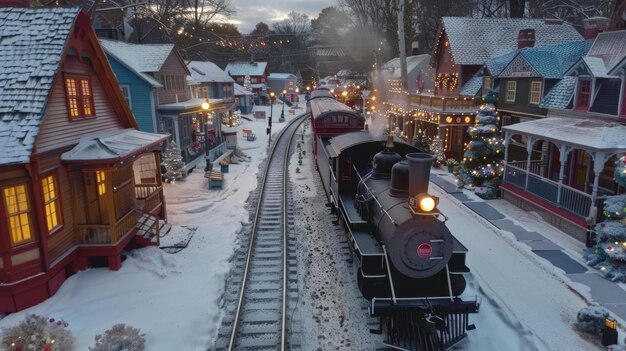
{"type": "Point", "coordinates": [149, 196]}
{"type": "Point", "coordinates": [106, 234]}
{"type": "Point", "coordinates": [563, 196]}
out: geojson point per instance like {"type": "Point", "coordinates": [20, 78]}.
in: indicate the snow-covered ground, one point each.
{"type": "Point", "coordinates": [174, 298]}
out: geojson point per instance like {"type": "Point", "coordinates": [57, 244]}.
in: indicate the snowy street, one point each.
{"type": "Point", "coordinates": [175, 298]}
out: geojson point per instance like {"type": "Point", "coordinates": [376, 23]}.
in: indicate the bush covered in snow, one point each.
{"type": "Point", "coordinates": [591, 319]}
{"type": "Point", "coordinates": [120, 337]}
{"type": "Point", "coordinates": [38, 333]}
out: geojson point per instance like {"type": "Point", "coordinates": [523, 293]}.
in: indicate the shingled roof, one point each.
{"type": "Point", "coordinates": [243, 68]}
{"type": "Point", "coordinates": [610, 47]}
{"type": "Point", "coordinates": [140, 58]}
{"type": "Point", "coordinates": [205, 71]}
{"type": "Point", "coordinates": [473, 41]}
{"type": "Point", "coordinates": [32, 42]}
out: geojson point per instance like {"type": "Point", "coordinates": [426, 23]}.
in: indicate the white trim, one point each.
{"type": "Point", "coordinates": [127, 96]}
{"type": "Point", "coordinates": [511, 84]}
{"type": "Point", "coordinates": [531, 91]}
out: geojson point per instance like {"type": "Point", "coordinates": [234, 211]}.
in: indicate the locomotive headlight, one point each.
{"type": "Point", "coordinates": [426, 202]}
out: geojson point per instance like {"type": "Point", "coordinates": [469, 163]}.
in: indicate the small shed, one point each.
{"type": "Point", "coordinates": [244, 99]}
{"type": "Point", "coordinates": [279, 82]}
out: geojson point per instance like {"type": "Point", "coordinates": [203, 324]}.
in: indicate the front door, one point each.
{"type": "Point", "coordinates": [582, 166]}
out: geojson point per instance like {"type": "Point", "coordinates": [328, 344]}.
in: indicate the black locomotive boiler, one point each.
{"type": "Point", "coordinates": [409, 264]}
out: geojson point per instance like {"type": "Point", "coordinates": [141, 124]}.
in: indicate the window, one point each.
{"type": "Point", "coordinates": [100, 179]}
{"type": "Point", "coordinates": [51, 202]}
{"type": "Point", "coordinates": [18, 213]}
{"type": "Point", "coordinates": [79, 97]}
{"type": "Point", "coordinates": [126, 94]}
{"type": "Point", "coordinates": [486, 84]}
{"type": "Point", "coordinates": [511, 87]}
{"type": "Point", "coordinates": [584, 92]}
{"type": "Point", "coordinates": [535, 92]}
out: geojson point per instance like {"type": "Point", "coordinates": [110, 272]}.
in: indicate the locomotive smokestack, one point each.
{"type": "Point", "coordinates": [419, 172]}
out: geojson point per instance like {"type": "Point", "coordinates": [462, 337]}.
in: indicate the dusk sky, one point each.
{"type": "Point", "coordinates": [251, 12]}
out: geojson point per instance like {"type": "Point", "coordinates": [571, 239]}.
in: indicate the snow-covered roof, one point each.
{"type": "Point", "coordinates": [112, 145]}
{"type": "Point", "coordinates": [412, 62]}
{"type": "Point", "coordinates": [281, 76]}
{"type": "Point", "coordinates": [32, 42]}
{"type": "Point", "coordinates": [610, 47]}
{"type": "Point", "coordinates": [560, 95]}
{"type": "Point", "coordinates": [596, 66]}
{"type": "Point", "coordinates": [472, 86]}
{"type": "Point", "coordinates": [594, 135]}
{"type": "Point", "coordinates": [206, 72]}
{"type": "Point", "coordinates": [239, 90]}
{"type": "Point", "coordinates": [243, 68]}
{"type": "Point", "coordinates": [183, 105]}
{"type": "Point", "coordinates": [473, 41]}
{"type": "Point", "coordinates": [140, 58]}
{"type": "Point", "coordinates": [348, 140]}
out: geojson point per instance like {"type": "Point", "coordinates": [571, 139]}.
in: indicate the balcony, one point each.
{"type": "Point", "coordinates": [106, 234]}
{"type": "Point", "coordinates": [433, 103]}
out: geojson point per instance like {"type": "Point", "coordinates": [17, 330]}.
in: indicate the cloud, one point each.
{"type": "Point", "coordinates": [251, 12]}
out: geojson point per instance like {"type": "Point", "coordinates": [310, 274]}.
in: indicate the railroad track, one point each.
{"type": "Point", "coordinates": [263, 286]}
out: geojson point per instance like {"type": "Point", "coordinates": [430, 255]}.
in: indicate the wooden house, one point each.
{"type": "Point", "coordinates": [244, 99]}
{"type": "Point", "coordinates": [78, 182]}
{"type": "Point", "coordinates": [153, 78]}
{"type": "Point", "coordinates": [250, 73]}
{"type": "Point", "coordinates": [580, 139]}
{"type": "Point", "coordinates": [462, 47]}
{"type": "Point", "coordinates": [287, 82]}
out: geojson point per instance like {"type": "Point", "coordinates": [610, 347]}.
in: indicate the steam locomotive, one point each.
{"type": "Point", "coordinates": [410, 267]}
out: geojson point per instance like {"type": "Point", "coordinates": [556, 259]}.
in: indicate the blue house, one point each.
{"type": "Point", "coordinates": [244, 99]}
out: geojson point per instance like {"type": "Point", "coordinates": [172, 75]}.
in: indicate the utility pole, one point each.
{"type": "Point", "coordinates": [402, 44]}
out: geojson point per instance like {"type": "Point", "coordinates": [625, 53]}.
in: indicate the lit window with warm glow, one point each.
{"type": "Point", "coordinates": [79, 97]}
{"type": "Point", "coordinates": [51, 202]}
{"type": "Point", "coordinates": [18, 213]}
{"type": "Point", "coordinates": [100, 179]}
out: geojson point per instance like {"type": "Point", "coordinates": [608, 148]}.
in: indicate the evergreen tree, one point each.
{"type": "Point", "coordinates": [173, 163]}
{"type": "Point", "coordinates": [436, 148]}
{"type": "Point", "coordinates": [482, 160]}
{"type": "Point", "coordinates": [609, 252]}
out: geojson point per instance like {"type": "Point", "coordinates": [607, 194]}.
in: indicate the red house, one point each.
{"type": "Point", "coordinates": [78, 182]}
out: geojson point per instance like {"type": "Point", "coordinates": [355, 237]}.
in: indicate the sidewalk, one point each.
{"type": "Point", "coordinates": [603, 291]}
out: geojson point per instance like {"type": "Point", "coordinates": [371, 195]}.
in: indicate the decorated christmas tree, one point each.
{"type": "Point", "coordinates": [173, 164]}
{"type": "Point", "coordinates": [436, 148]}
{"type": "Point", "coordinates": [482, 160]}
{"type": "Point", "coordinates": [609, 252]}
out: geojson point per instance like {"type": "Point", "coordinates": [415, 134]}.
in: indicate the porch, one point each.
{"type": "Point", "coordinates": [573, 176]}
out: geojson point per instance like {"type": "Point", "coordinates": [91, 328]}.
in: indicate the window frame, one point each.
{"type": "Point", "coordinates": [83, 101]}
{"type": "Point", "coordinates": [101, 185]}
{"type": "Point", "coordinates": [580, 94]}
{"type": "Point", "coordinates": [533, 84]}
{"type": "Point", "coordinates": [127, 96]}
{"type": "Point", "coordinates": [511, 90]}
{"type": "Point", "coordinates": [27, 213]}
{"type": "Point", "coordinates": [56, 201]}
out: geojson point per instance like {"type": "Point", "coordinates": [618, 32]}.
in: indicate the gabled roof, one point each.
{"type": "Point", "coordinates": [243, 68]}
{"type": "Point", "coordinates": [239, 90]}
{"type": "Point", "coordinates": [473, 41]}
{"type": "Point", "coordinates": [281, 76]}
{"type": "Point", "coordinates": [560, 95]}
{"type": "Point", "coordinates": [139, 58]}
{"type": "Point", "coordinates": [472, 86]}
{"type": "Point", "coordinates": [610, 47]}
{"type": "Point", "coordinates": [596, 66]}
{"type": "Point", "coordinates": [550, 61]}
{"type": "Point", "coordinates": [32, 43]}
{"type": "Point", "coordinates": [497, 64]}
{"type": "Point", "coordinates": [208, 72]}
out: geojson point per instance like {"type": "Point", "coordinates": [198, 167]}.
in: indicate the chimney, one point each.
{"type": "Point", "coordinates": [594, 25]}
{"type": "Point", "coordinates": [526, 38]}
{"type": "Point", "coordinates": [419, 172]}
{"type": "Point", "coordinates": [14, 3]}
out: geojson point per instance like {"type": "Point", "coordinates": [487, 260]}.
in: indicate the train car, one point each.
{"type": "Point", "coordinates": [330, 117]}
{"type": "Point", "coordinates": [409, 264]}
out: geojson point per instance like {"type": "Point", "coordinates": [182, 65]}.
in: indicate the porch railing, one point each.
{"type": "Point", "coordinates": [438, 103]}
{"type": "Point", "coordinates": [535, 166]}
{"type": "Point", "coordinates": [150, 194]}
{"type": "Point", "coordinates": [568, 198]}
{"type": "Point", "coordinates": [104, 234]}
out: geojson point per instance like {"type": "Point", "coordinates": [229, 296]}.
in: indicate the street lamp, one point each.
{"type": "Point", "coordinates": [282, 113]}
{"type": "Point", "coordinates": [205, 107]}
{"type": "Point", "coordinates": [269, 122]}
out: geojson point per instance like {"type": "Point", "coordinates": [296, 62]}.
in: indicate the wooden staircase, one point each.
{"type": "Point", "coordinates": [148, 229]}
